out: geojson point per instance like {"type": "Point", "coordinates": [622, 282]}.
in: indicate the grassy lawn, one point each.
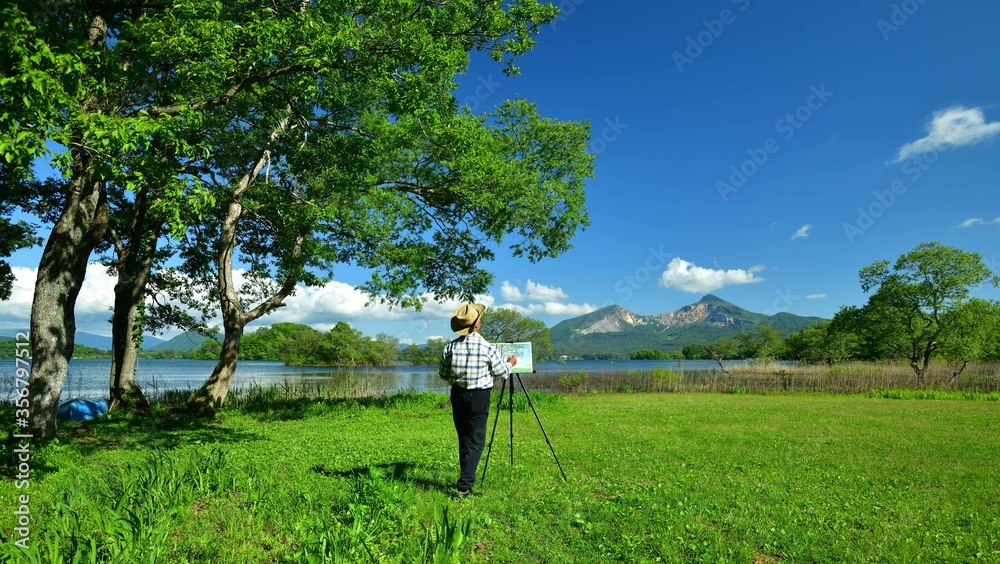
{"type": "Point", "coordinates": [652, 477]}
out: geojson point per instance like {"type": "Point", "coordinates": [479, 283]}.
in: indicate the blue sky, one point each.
{"type": "Point", "coordinates": [760, 151]}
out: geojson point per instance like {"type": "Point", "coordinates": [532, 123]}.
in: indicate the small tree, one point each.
{"type": "Point", "coordinates": [915, 300]}
{"type": "Point", "coordinates": [721, 350]}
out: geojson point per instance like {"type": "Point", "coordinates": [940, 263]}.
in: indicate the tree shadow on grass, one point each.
{"type": "Point", "coordinates": [406, 472]}
{"type": "Point", "coordinates": [125, 433]}
{"type": "Point", "coordinates": [161, 432]}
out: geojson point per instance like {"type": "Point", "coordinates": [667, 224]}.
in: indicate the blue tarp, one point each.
{"type": "Point", "coordinates": [81, 409]}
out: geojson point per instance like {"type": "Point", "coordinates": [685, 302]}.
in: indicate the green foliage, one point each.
{"type": "Point", "coordinates": [933, 395]}
{"type": "Point", "coordinates": [762, 345]}
{"type": "Point", "coordinates": [430, 353]}
{"type": "Point", "coordinates": [13, 235]}
{"type": "Point", "coordinates": [446, 539]}
{"type": "Point", "coordinates": [125, 514]}
{"type": "Point", "coordinates": [653, 355]}
{"type": "Point", "coordinates": [695, 352]}
{"type": "Point", "coordinates": [971, 332]}
{"type": "Point", "coordinates": [301, 345]}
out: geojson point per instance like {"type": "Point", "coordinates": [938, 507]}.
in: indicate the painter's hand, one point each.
{"type": "Point", "coordinates": [512, 360]}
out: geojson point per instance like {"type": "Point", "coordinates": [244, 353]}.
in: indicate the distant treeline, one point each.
{"type": "Point", "coordinates": [8, 349]}
{"type": "Point", "coordinates": [300, 345]}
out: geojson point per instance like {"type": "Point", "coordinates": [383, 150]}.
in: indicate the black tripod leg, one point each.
{"type": "Point", "coordinates": [511, 421]}
{"type": "Point", "coordinates": [495, 421]}
{"type": "Point", "coordinates": [544, 434]}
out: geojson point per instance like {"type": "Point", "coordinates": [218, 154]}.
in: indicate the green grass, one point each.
{"type": "Point", "coordinates": [668, 477]}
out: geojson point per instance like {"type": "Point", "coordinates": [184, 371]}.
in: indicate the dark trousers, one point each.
{"type": "Point", "coordinates": [470, 410]}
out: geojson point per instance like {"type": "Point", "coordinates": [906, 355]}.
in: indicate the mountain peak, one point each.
{"type": "Point", "coordinates": [615, 330]}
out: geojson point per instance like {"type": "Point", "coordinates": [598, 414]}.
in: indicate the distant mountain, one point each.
{"type": "Point", "coordinates": [614, 330]}
{"type": "Point", "coordinates": [148, 341]}
{"type": "Point", "coordinates": [186, 341]}
{"type": "Point", "coordinates": [92, 340]}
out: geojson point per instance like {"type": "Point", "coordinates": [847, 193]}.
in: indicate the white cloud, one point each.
{"type": "Point", "coordinates": [532, 291]}
{"type": "Point", "coordinates": [978, 221]}
{"type": "Point", "coordinates": [510, 292]}
{"type": "Point", "coordinates": [337, 301]}
{"type": "Point", "coordinates": [815, 296]}
{"type": "Point", "coordinates": [552, 308]}
{"type": "Point", "coordinates": [687, 277]}
{"type": "Point", "coordinates": [544, 300]}
{"type": "Point", "coordinates": [802, 232]}
{"type": "Point", "coordinates": [952, 127]}
{"type": "Point", "coordinates": [93, 305]}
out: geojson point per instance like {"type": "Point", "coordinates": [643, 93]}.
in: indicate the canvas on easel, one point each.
{"type": "Point", "coordinates": [523, 353]}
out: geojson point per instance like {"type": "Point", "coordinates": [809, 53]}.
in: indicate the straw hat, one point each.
{"type": "Point", "coordinates": [465, 318]}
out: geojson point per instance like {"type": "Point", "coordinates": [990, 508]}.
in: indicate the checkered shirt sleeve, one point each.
{"type": "Point", "coordinates": [472, 362]}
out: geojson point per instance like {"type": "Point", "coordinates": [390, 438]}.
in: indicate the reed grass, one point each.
{"type": "Point", "coordinates": [847, 378]}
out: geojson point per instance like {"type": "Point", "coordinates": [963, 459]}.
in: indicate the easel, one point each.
{"type": "Point", "coordinates": [497, 419]}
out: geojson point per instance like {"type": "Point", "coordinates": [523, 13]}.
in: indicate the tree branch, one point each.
{"type": "Point", "coordinates": [228, 95]}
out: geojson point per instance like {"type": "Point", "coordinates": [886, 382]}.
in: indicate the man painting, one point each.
{"type": "Point", "coordinates": [469, 364]}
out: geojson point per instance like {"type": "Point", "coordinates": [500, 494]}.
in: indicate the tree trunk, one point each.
{"type": "Point", "coordinates": [920, 371]}
{"type": "Point", "coordinates": [124, 391]}
{"type": "Point", "coordinates": [206, 401]}
{"type": "Point", "coordinates": [134, 264]}
{"type": "Point", "coordinates": [958, 373]}
{"type": "Point", "coordinates": [723, 368]}
{"type": "Point", "coordinates": [61, 271]}
{"type": "Point", "coordinates": [212, 394]}
{"type": "Point", "coordinates": [60, 276]}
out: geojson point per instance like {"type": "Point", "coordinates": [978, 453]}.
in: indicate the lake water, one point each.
{"type": "Point", "coordinates": [89, 378]}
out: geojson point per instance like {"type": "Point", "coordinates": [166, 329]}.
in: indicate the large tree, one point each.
{"type": "Point", "coordinates": [367, 159]}
{"type": "Point", "coordinates": [53, 91]}
{"type": "Point", "coordinates": [917, 300]}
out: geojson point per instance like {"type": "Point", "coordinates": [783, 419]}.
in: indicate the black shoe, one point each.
{"type": "Point", "coordinates": [464, 494]}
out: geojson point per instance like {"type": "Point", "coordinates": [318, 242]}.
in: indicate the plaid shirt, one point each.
{"type": "Point", "coordinates": [472, 362]}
